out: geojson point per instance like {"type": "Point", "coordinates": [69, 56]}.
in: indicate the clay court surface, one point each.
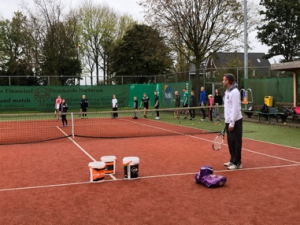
{"type": "Point", "coordinates": [48, 183]}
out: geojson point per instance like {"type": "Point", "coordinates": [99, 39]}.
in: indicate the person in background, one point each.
{"type": "Point", "coordinates": [177, 104]}
{"type": "Point", "coordinates": [193, 103]}
{"type": "Point", "coordinates": [57, 106]}
{"type": "Point", "coordinates": [146, 103]}
{"type": "Point", "coordinates": [64, 109]}
{"type": "Point", "coordinates": [185, 102]}
{"type": "Point", "coordinates": [218, 101]}
{"type": "Point", "coordinates": [156, 104]}
{"type": "Point", "coordinates": [84, 106]}
{"type": "Point", "coordinates": [210, 109]}
{"type": "Point", "coordinates": [203, 102]}
{"type": "Point", "coordinates": [234, 122]}
{"type": "Point", "coordinates": [135, 107]}
{"type": "Point", "coordinates": [114, 103]}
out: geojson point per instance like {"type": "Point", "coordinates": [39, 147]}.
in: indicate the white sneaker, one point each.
{"type": "Point", "coordinates": [202, 120]}
{"type": "Point", "coordinates": [157, 118]}
{"type": "Point", "coordinates": [234, 167]}
{"type": "Point", "coordinates": [228, 164]}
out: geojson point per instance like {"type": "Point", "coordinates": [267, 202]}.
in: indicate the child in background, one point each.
{"type": "Point", "coordinates": [210, 109]}
{"type": "Point", "coordinates": [218, 100]}
{"type": "Point", "coordinates": [177, 104]}
{"type": "Point", "coordinates": [63, 108]}
{"type": "Point", "coordinates": [193, 103]}
{"type": "Point", "coordinates": [135, 107]}
{"type": "Point", "coordinates": [57, 106]}
{"type": "Point", "coordinates": [114, 104]}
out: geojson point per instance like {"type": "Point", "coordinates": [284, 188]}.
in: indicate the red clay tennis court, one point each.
{"type": "Point", "coordinates": [48, 182]}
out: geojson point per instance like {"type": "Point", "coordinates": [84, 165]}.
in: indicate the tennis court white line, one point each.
{"type": "Point", "coordinates": [267, 155]}
{"type": "Point", "coordinates": [248, 150]}
{"type": "Point", "coordinates": [243, 137]}
{"type": "Point", "coordinates": [84, 151]}
{"type": "Point", "coordinates": [146, 177]}
{"type": "Point", "coordinates": [287, 146]}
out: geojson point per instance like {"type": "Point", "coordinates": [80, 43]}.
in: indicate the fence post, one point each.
{"type": "Point", "coordinates": [72, 125]}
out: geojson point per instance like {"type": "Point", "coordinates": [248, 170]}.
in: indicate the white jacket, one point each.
{"type": "Point", "coordinates": [114, 103]}
{"type": "Point", "coordinates": [232, 106]}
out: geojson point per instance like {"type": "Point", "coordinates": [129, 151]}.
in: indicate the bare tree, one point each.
{"type": "Point", "coordinates": [97, 28]}
{"type": "Point", "coordinates": [199, 27]}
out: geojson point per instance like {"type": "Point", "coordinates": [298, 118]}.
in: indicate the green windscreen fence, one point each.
{"type": "Point", "coordinates": [281, 89]}
{"type": "Point", "coordinates": [42, 98]}
{"type": "Point", "coordinates": [137, 90]}
{"type": "Point", "coordinates": [167, 96]}
{"type": "Point", "coordinates": [166, 92]}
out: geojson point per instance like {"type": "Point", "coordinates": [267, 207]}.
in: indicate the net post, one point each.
{"type": "Point", "coordinates": [72, 125]}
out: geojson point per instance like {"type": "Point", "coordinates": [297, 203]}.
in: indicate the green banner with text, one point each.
{"type": "Point", "coordinates": [42, 98]}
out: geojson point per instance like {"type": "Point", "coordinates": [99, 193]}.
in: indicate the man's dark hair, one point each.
{"type": "Point", "coordinates": [229, 77]}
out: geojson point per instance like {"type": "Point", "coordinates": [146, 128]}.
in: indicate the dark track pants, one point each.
{"type": "Point", "coordinates": [84, 110]}
{"type": "Point", "coordinates": [115, 115]}
{"type": "Point", "coordinates": [64, 119]}
{"type": "Point", "coordinates": [234, 141]}
{"type": "Point", "coordinates": [203, 113]}
{"type": "Point", "coordinates": [157, 112]}
{"type": "Point", "coordinates": [192, 113]}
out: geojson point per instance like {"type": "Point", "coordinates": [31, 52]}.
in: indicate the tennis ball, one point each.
{"type": "Point", "coordinates": [284, 123]}
{"type": "Point", "coordinates": [192, 124]}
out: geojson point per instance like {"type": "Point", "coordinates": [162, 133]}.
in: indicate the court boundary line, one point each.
{"type": "Point", "coordinates": [267, 142]}
{"type": "Point", "coordinates": [145, 177]}
{"type": "Point", "coordinates": [196, 137]}
{"type": "Point", "coordinates": [83, 150]}
{"type": "Point", "coordinates": [288, 146]}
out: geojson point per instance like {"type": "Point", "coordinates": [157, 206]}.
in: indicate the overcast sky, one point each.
{"type": "Point", "coordinates": [8, 7]}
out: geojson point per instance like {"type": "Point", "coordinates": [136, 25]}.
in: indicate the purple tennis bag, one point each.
{"type": "Point", "coordinates": [213, 181]}
{"type": "Point", "coordinates": [206, 177]}
{"type": "Point", "coordinates": [204, 171]}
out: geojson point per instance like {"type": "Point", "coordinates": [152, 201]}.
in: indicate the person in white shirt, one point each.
{"type": "Point", "coordinates": [234, 121]}
{"type": "Point", "coordinates": [115, 106]}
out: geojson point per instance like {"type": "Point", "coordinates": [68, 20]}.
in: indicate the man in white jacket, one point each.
{"type": "Point", "coordinates": [234, 122]}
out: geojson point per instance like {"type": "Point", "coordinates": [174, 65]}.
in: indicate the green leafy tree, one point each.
{"type": "Point", "coordinates": [55, 35]}
{"type": "Point", "coordinates": [141, 53]}
{"type": "Point", "coordinates": [281, 30]}
{"type": "Point", "coordinates": [15, 51]}
{"type": "Point", "coordinates": [60, 54]}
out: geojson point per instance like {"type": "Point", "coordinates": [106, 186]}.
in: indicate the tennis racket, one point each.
{"type": "Point", "coordinates": [218, 141]}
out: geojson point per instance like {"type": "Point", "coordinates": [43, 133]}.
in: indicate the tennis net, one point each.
{"type": "Point", "coordinates": [30, 128]}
